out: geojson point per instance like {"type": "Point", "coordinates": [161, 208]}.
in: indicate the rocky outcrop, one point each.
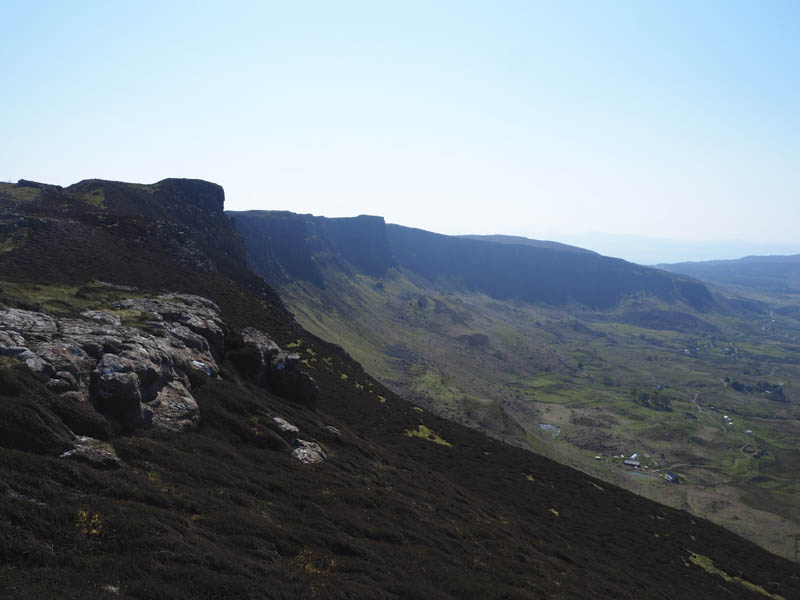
{"type": "Point", "coordinates": [280, 370]}
{"type": "Point", "coordinates": [192, 192]}
{"type": "Point", "coordinates": [137, 376]}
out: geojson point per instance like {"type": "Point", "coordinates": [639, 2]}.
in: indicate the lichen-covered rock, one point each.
{"type": "Point", "coordinates": [309, 452]}
{"type": "Point", "coordinates": [286, 430]}
{"type": "Point", "coordinates": [303, 450]}
{"type": "Point", "coordinates": [93, 452]}
{"type": "Point", "coordinates": [173, 409]}
{"type": "Point", "coordinates": [136, 376]}
{"type": "Point", "coordinates": [195, 313]}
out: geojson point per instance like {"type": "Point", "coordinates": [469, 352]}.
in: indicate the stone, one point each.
{"type": "Point", "coordinates": [285, 429]}
{"type": "Point", "coordinates": [332, 431]}
{"type": "Point", "coordinates": [281, 370]}
{"type": "Point", "coordinates": [287, 380]}
{"type": "Point", "coordinates": [309, 452]}
{"type": "Point", "coordinates": [93, 452]}
{"type": "Point", "coordinates": [174, 409]}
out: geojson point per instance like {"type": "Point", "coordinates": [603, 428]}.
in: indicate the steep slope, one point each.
{"type": "Point", "coordinates": [407, 505]}
{"type": "Point", "coordinates": [580, 357]}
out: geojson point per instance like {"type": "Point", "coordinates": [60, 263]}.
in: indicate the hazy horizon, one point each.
{"type": "Point", "coordinates": [674, 122]}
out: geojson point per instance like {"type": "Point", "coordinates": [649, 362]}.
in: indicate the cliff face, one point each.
{"type": "Point", "coordinates": [303, 244]}
{"type": "Point", "coordinates": [285, 245]}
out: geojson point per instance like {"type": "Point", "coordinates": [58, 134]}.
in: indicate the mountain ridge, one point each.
{"type": "Point", "coordinates": [771, 273]}
{"type": "Point", "coordinates": [502, 269]}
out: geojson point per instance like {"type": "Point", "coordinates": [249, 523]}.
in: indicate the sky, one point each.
{"type": "Point", "coordinates": [639, 123]}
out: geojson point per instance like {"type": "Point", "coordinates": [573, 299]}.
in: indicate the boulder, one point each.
{"type": "Point", "coordinates": [93, 452]}
{"type": "Point", "coordinates": [305, 451]}
{"type": "Point", "coordinates": [287, 380]}
{"type": "Point", "coordinates": [280, 370]}
{"type": "Point", "coordinates": [286, 430]}
{"type": "Point", "coordinates": [173, 409]}
{"type": "Point", "coordinates": [264, 349]}
{"type": "Point", "coordinates": [309, 452]}
{"type": "Point", "coordinates": [332, 432]}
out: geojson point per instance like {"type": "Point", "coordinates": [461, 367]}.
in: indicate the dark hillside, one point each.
{"type": "Point", "coordinates": [523, 241]}
{"type": "Point", "coordinates": [536, 274]}
{"type": "Point", "coordinates": [407, 505]}
{"type": "Point", "coordinates": [779, 274]}
{"type": "Point", "coordinates": [286, 245]}
{"type": "Point", "coordinates": [283, 245]}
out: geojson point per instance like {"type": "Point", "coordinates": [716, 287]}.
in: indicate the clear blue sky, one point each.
{"type": "Point", "coordinates": [552, 119]}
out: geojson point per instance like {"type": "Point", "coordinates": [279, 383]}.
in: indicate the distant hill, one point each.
{"type": "Point", "coordinates": [523, 241]}
{"type": "Point", "coordinates": [765, 273]}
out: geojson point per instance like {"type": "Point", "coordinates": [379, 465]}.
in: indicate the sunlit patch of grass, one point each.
{"type": "Point", "coordinates": [306, 561]}
{"type": "Point", "coordinates": [95, 198]}
{"type": "Point", "coordinates": [707, 565]}
{"type": "Point", "coordinates": [15, 240]}
{"type": "Point", "coordinates": [150, 188]}
{"type": "Point", "coordinates": [428, 434]}
{"type": "Point", "coordinates": [20, 193]}
{"type": "Point", "coordinates": [64, 300]}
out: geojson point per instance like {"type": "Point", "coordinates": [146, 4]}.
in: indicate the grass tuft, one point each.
{"type": "Point", "coordinates": [427, 434]}
{"type": "Point", "coordinates": [707, 565]}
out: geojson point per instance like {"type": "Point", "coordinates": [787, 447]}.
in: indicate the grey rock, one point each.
{"type": "Point", "coordinates": [288, 380]}
{"type": "Point", "coordinates": [137, 377]}
{"type": "Point", "coordinates": [174, 409]}
{"type": "Point", "coordinates": [305, 451]}
{"type": "Point", "coordinates": [103, 316]}
{"type": "Point", "coordinates": [30, 324]}
{"type": "Point", "coordinates": [281, 370]}
{"type": "Point", "coordinates": [94, 452]}
{"type": "Point", "coordinates": [332, 431]}
{"type": "Point", "coordinates": [265, 348]}
{"type": "Point", "coordinates": [285, 429]}
{"type": "Point", "coordinates": [309, 452]}
{"type": "Point", "coordinates": [199, 315]}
